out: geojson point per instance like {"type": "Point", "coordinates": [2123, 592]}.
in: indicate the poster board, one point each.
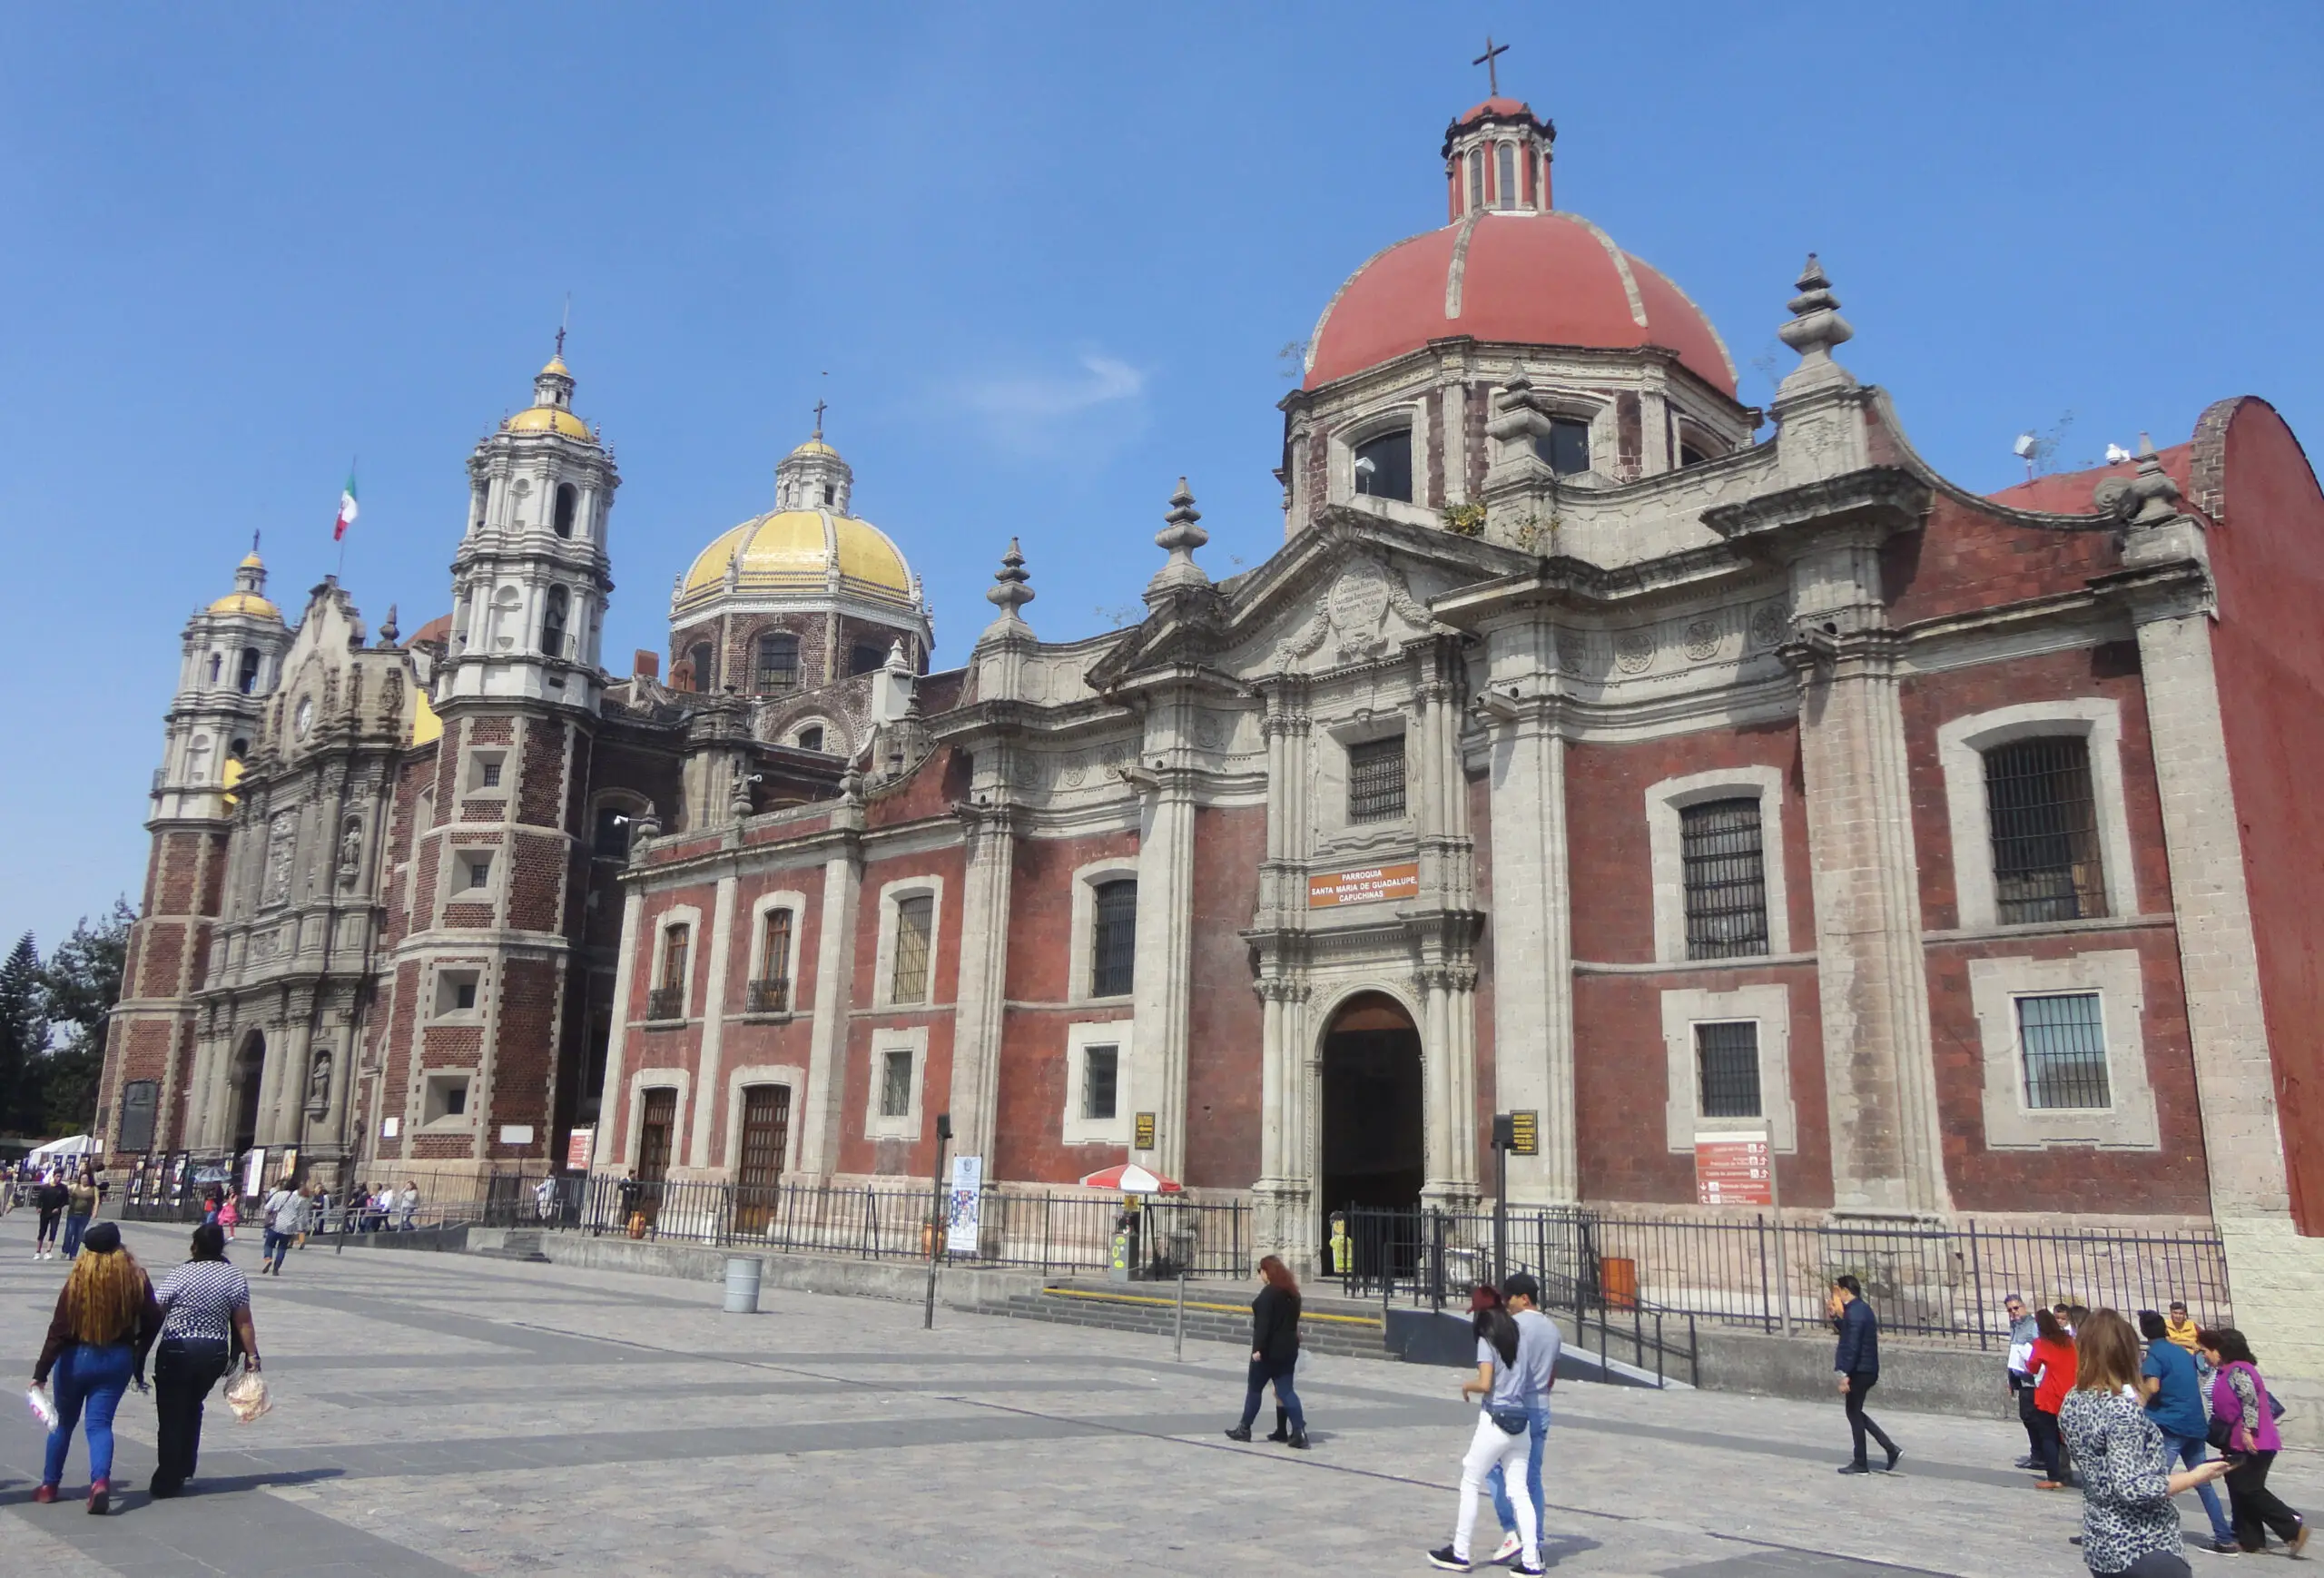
{"type": "Point", "coordinates": [963, 1232]}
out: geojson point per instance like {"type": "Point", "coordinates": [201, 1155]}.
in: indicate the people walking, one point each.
{"type": "Point", "coordinates": [206, 1308]}
{"type": "Point", "coordinates": [2129, 1527]}
{"type": "Point", "coordinates": [2020, 1372]}
{"type": "Point", "coordinates": [2174, 1401]}
{"type": "Point", "coordinates": [230, 1212]}
{"type": "Point", "coordinates": [1275, 1353]}
{"type": "Point", "coordinates": [106, 1320]}
{"type": "Point", "coordinates": [2243, 1426]}
{"type": "Point", "coordinates": [278, 1231]}
{"type": "Point", "coordinates": [1856, 1360]}
{"type": "Point", "coordinates": [214, 1206]}
{"type": "Point", "coordinates": [407, 1204]}
{"type": "Point", "coordinates": [2053, 1373]}
{"type": "Point", "coordinates": [1539, 1344]}
{"type": "Point", "coordinates": [79, 1206]}
{"type": "Point", "coordinates": [50, 1197]}
{"type": "Point", "coordinates": [1499, 1441]}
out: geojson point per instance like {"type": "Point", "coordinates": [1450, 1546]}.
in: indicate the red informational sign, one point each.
{"type": "Point", "coordinates": [1733, 1170]}
{"type": "Point", "coordinates": [578, 1145]}
{"type": "Point", "coordinates": [1368, 885]}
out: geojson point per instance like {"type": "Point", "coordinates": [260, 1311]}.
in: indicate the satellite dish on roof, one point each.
{"type": "Point", "coordinates": [2026, 447]}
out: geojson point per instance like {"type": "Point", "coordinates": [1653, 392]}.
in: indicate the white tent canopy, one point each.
{"type": "Point", "coordinates": [64, 1149]}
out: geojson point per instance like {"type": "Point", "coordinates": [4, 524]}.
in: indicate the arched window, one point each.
{"type": "Point", "coordinates": [217, 663]}
{"type": "Point", "coordinates": [569, 504]}
{"type": "Point", "coordinates": [831, 492]}
{"type": "Point", "coordinates": [1476, 179]}
{"type": "Point", "coordinates": [1507, 172]}
{"type": "Point", "coordinates": [248, 683]}
{"type": "Point", "coordinates": [1384, 466]}
{"type": "Point", "coordinates": [812, 738]}
{"type": "Point", "coordinates": [705, 674]}
{"type": "Point", "coordinates": [778, 661]}
{"type": "Point", "coordinates": [1113, 943]}
{"type": "Point", "coordinates": [553, 622]}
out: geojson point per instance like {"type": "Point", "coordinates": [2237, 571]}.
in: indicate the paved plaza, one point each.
{"type": "Point", "coordinates": [439, 1415]}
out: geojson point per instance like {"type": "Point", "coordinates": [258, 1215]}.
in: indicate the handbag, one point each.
{"type": "Point", "coordinates": [2218, 1434]}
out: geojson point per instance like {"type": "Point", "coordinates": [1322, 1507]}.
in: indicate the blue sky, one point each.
{"type": "Point", "coordinates": [1041, 261]}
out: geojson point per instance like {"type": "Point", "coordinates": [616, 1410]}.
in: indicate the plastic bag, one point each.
{"type": "Point", "coordinates": [43, 1407]}
{"type": "Point", "coordinates": [246, 1395]}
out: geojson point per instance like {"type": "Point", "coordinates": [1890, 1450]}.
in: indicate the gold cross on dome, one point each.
{"type": "Point", "coordinates": [1489, 61]}
{"type": "Point", "coordinates": [820, 408]}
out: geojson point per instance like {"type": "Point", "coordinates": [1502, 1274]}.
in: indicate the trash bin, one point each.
{"type": "Point", "coordinates": [743, 1284]}
{"type": "Point", "coordinates": [1122, 1265]}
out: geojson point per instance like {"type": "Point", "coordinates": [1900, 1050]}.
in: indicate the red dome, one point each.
{"type": "Point", "coordinates": [1507, 109]}
{"type": "Point", "coordinates": [1531, 279]}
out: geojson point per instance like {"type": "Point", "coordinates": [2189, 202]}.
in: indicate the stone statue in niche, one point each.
{"type": "Point", "coordinates": [281, 850]}
{"type": "Point", "coordinates": [318, 1084]}
{"type": "Point", "coordinates": [350, 849]}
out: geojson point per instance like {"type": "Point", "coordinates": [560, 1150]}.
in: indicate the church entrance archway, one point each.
{"type": "Point", "coordinates": [1374, 1147]}
{"type": "Point", "coordinates": [249, 1069]}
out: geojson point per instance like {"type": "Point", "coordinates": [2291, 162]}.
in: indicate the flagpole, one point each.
{"type": "Point", "coordinates": [339, 574]}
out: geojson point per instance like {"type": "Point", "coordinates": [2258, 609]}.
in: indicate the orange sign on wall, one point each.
{"type": "Point", "coordinates": [1733, 1170]}
{"type": "Point", "coordinates": [1366, 885]}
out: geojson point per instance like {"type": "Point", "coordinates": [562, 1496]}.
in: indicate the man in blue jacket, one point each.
{"type": "Point", "coordinates": [1858, 1362]}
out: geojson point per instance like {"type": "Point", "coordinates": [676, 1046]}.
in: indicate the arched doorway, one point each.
{"type": "Point", "coordinates": [249, 1069]}
{"type": "Point", "coordinates": [1373, 1148]}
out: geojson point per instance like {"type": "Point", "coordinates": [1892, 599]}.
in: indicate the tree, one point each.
{"type": "Point", "coordinates": [79, 986]}
{"type": "Point", "coordinates": [24, 1038]}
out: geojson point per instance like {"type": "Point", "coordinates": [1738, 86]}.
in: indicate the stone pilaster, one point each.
{"type": "Point", "coordinates": [981, 992]}
{"type": "Point", "coordinates": [608, 1148]}
{"type": "Point", "coordinates": [709, 1072]}
{"type": "Point", "coordinates": [1165, 965]}
{"type": "Point", "coordinates": [819, 1132]}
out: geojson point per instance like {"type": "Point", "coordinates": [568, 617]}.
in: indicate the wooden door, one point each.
{"type": "Point", "coordinates": [767, 1136]}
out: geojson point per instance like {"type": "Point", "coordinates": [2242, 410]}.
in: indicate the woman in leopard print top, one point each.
{"type": "Point", "coordinates": [2129, 1525]}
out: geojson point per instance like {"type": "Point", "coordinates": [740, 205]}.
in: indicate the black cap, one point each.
{"type": "Point", "coordinates": [102, 1236]}
{"type": "Point", "coordinates": [1520, 1284]}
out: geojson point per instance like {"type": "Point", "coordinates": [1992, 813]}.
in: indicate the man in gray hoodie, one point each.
{"type": "Point", "coordinates": [2021, 1379]}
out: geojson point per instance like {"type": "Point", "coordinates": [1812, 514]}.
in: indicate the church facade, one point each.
{"type": "Point", "coordinates": [1595, 747]}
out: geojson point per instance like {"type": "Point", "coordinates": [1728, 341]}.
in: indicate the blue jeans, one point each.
{"type": "Point", "coordinates": [73, 1227]}
{"type": "Point", "coordinates": [1262, 1370]}
{"type": "Point", "coordinates": [2189, 1450]}
{"type": "Point", "coordinates": [94, 1379]}
{"type": "Point", "coordinates": [276, 1246]}
{"type": "Point", "coordinates": [1538, 1414]}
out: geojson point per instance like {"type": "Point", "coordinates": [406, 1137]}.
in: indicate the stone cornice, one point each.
{"type": "Point", "coordinates": [1882, 500]}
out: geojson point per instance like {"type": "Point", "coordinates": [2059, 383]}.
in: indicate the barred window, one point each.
{"type": "Point", "coordinates": [2063, 1039]}
{"type": "Point", "coordinates": [1727, 1068]}
{"type": "Point", "coordinates": [1113, 943]}
{"type": "Point", "coordinates": [778, 661]}
{"type": "Point", "coordinates": [2044, 822]}
{"type": "Point", "coordinates": [1100, 1076]}
{"type": "Point", "coordinates": [915, 920]}
{"type": "Point", "coordinates": [895, 1083]}
{"type": "Point", "coordinates": [1726, 889]}
{"type": "Point", "coordinates": [1375, 780]}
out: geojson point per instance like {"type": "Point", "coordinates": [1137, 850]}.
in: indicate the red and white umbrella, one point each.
{"type": "Point", "coordinates": [1129, 1179]}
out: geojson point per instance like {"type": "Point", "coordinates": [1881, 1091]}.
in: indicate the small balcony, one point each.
{"type": "Point", "coordinates": [666, 1002]}
{"type": "Point", "coordinates": [770, 996]}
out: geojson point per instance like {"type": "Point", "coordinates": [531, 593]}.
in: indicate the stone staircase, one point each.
{"type": "Point", "coordinates": [1151, 1309]}
{"type": "Point", "coordinates": [506, 1244]}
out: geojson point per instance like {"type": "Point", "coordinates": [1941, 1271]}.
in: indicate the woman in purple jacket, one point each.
{"type": "Point", "coordinates": [2240, 1402]}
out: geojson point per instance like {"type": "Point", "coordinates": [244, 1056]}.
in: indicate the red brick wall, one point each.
{"type": "Point", "coordinates": [856, 1152]}
{"type": "Point", "coordinates": [523, 1054]}
{"type": "Point", "coordinates": [1966, 558]}
{"type": "Point", "coordinates": [2268, 554]}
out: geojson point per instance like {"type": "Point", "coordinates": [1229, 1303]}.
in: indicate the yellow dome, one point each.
{"type": "Point", "coordinates": [794, 550]}
{"type": "Point", "coordinates": [546, 419]}
{"type": "Point", "coordinates": [250, 561]}
{"type": "Point", "coordinates": [557, 365]}
{"type": "Point", "coordinates": [246, 603]}
{"type": "Point", "coordinates": [815, 446]}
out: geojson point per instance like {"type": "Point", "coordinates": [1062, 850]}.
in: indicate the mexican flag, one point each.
{"type": "Point", "coordinates": [346, 509]}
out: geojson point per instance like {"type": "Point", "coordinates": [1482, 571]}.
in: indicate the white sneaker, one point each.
{"type": "Point", "coordinates": [1509, 1546]}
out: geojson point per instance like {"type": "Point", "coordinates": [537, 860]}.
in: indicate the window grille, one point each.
{"type": "Point", "coordinates": [2062, 1038]}
{"type": "Point", "coordinates": [1100, 1076]}
{"type": "Point", "coordinates": [480, 874]}
{"type": "Point", "coordinates": [1375, 780]}
{"type": "Point", "coordinates": [1726, 877]}
{"type": "Point", "coordinates": [778, 661]}
{"type": "Point", "coordinates": [915, 919]}
{"type": "Point", "coordinates": [895, 1084]}
{"type": "Point", "coordinates": [1113, 944]}
{"type": "Point", "coordinates": [1727, 1068]}
{"type": "Point", "coordinates": [2043, 819]}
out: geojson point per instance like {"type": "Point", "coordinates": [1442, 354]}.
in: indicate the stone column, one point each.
{"type": "Point", "coordinates": [1879, 1065]}
{"type": "Point", "coordinates": [834, 974]}
{"type": "Point", "coordinates": [609, 1146]}
{"type": "Point", "coordinates": [282, 1084]}
{"type": "Point", "coordinates": [981, 992]}
{"type": "Point", "coordinates": [709, 1075]}
{"type": "Point", "coordinates": [1165, 962]}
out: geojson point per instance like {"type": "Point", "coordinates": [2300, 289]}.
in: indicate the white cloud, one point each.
{"type": "Point", "coordinates": [1100, 401]}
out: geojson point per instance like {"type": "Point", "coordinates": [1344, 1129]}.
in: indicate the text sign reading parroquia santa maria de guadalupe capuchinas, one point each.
{"type": "Point", "coordinates": [1367, 885]}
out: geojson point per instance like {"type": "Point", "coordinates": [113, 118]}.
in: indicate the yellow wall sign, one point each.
{"type": "Point", "coordinates": [1524, 1134]}
{"type": "Point", "coordinates": [1366, 885]}
{"type": "Point", "coordinates": [1144, 1138]}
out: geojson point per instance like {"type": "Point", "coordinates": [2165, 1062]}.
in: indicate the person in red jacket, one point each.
{"type": "Point", "coordinates": [2053, 1365]}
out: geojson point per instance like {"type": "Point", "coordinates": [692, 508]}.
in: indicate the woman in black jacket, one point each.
{"type": "Point", "coordinates": [1274, 1351]}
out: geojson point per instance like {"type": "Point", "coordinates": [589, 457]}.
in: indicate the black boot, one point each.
{"type": "Point", "coordinates": [1281, 1425]}
{"type": "Point", "coordinates": [1240, 1432]}
{"type": "Point", "coordinates": [1298, 1442]}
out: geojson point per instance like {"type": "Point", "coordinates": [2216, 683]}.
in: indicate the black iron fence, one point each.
{"type": "Point", "coordinates": [1943, 1282]}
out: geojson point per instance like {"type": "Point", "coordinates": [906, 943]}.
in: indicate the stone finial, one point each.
{"type": "Point", "coordinates": [2155, 497]}
{"type": "Point", "coordinates": [897, 662]}
{"type": "Point", "coordinates": [1180, 536]}
{"type": "Point", "coordinates": [1011, 588]}
{"type": "Point", "coordinates": [389, 632]}
{"type": "Point", "coordinates": [1815, 327]}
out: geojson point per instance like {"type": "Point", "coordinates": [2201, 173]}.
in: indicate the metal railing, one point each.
{"type": "Point", "coordinates": [666, 1002]}
{"type": "Point", "coordinates": [770, 996]}
{"type": "Point", "coordinates": [1942, 1282]}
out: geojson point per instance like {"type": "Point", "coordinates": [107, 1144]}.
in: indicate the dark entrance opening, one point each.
{"type": "Point", "coordinates": [1374, 1155]}
{"type": "Point", "coordinates": [248, 1069]}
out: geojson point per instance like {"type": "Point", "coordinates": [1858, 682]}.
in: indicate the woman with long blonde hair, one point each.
{"type": "Point", "coordinates": [2129, 1527]}
{"type": "Point", "coordinates": [106, 1320]}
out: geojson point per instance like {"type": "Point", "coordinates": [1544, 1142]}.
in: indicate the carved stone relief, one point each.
{"type": "Point", "coordinates": [281, 853]}
{"type": "Point", "coordinates": [1634, 650]}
